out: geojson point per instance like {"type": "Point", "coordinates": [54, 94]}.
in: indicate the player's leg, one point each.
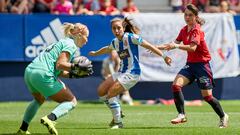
{"type": "Point", "coordinates": [67, 102]}
{"type": "Point", "coordinates": [102, 93]}
{"type": "Point", "coordinates": [206, 83]}
{"type": "Point", "coordinates": [103, 89]}
{"type": "Point", "coordinates": [114, 105]}
{"type": "Point", "coordinates": [34, 105]}
{"type": "Point", "coordinates": [124, 82]}
{"type": "Point", "coordinates": [177, 85]}
{"type": "Point", "coordinates": [207, 95]}
{"type": "Point", "coordinates": [30, 112]}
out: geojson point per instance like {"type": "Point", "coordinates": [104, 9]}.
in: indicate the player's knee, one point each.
{"type": "Point", "coordinates": [208, 98]}
{"type": "Point", "coordinates": [176, 88]}
{"type": "Point", "coordinates": [101, 92]}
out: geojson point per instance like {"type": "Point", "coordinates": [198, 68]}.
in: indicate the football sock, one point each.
{"type": "Point", "coordinates": [178, 98]}
{"type": "Point", "coordinates": [179, 101]}
{"type": "Point", "coordinates": [31, 111]}
{"type": "Point", "coordinates": [24, 126]}
{"type": "Point", "coordinates": [115, 109]}
{"type": "Point", "coordinates": [62, 109]}
{"type": "Point", "coordinates": [215, 105]}
{"type": "Point", "coordinates": [104, 99]}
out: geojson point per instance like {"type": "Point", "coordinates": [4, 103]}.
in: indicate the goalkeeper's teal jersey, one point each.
{"type": "Point", "coordinates": [48, 58]}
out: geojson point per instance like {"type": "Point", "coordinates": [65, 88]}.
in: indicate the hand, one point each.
{"type": "Point", "coordinates": [161, 47]}
{"type": "Point", "coordinates": [149, 51]}
{"type": "Point", "coordinates": [92, 53]}
{"type": "Point", "coordinates": [169, 46]}
{"type": "Point", "coordinates": [168, 60]}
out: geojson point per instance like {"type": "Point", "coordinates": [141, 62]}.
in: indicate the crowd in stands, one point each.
{"type": "Point", "coordinates": [208, 6]}
{"type": "Point", "coordinates": [69, 7]}
{"type": "Point", "coordinates": [108, 7]}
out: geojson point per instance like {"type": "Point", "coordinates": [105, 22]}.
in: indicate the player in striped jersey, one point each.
{"type": "Point", "coordinates": [126, 44]}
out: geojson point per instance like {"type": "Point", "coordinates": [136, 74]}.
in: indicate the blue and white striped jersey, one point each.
{"type": "Point", "coordinates": [127, 50]}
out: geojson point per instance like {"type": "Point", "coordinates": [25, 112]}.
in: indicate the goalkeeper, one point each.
{"type": "Point", "coordinates": [42, 77]}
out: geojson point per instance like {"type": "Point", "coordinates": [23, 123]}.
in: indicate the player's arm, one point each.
{"type": "Point", "coordinates": [152, 48]}
{"type": "Point", "coordinates": [155, 50]}
{"type": "Point", "coordinates": [103, 50]}
{"type": "Point", "coordinates": [63, 63]}
{"type": "Point", "coordinates": [176, 44]}
{"type": "Point", "coordinates": [190, 48]}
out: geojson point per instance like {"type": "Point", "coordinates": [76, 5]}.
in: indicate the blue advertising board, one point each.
{"type": "Point", "coordinates": [11, 37]}
{"type": "Point", "coordinates": [23, 37]}
{"type": "Point", "coordinates": [41, 30]}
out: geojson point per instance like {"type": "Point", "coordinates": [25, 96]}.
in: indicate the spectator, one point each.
{"type": "Point", "coordinates": [43, 6]}
{"type": "Point", "coordinates": [63, 7]}
{"type": "Point", "coordinates": [79, 8]}
{"type": "Point", "coordinates": [130, 8]}
{"type": "Point", "coordinates": [225, 8]}
{"type": "Point", "coordinates": [3, 5]}
{"type": "Point", "coordinates": [18, 6]}
{"type": "Point", "coordinates": [108, 9]}
{"type": "Point", "coordinates": [212, 6]}
{"type": "Point", "coordinates": [200, 4]}
{"type": "Point", "coordinates": [235, 5]}
{"type": "Point", "coordinates": [176, 6]}
{"type": "Point", "coordinates": [92, 5]}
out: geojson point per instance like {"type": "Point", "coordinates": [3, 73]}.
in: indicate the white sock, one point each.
{"type": "Point", "coordinates": [104, 99]}
{"type": "Point", "coordinates": [115, 109]}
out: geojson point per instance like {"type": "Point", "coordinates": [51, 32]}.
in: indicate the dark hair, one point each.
{"type": "Point", "coordinates": [129, 27]}
{"type": "Point", "coordinates": [195, 11]}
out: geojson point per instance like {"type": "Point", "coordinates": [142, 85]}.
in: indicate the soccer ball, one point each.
{"type": "Point", "coordinates": [81, 60]}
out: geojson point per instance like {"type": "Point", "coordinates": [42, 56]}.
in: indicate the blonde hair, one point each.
{"type": "Point", "coordinates": [75, 30]}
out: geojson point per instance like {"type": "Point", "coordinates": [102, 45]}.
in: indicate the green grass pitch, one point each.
{"type": "Point", "coordinates": [93, 119]}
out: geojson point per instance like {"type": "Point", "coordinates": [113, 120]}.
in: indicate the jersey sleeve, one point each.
{"type": "Point", "coordinates": [179, 37]}
{"type": "Point", "coordinates": [68, 46]}
{"type": "Point", "coordinates": [136, 39]}
{"type": "Point", "coordinates": [195, 37]}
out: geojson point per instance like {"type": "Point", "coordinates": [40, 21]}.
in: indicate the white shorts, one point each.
{"type": "Point", "coordinates": [127, 80]}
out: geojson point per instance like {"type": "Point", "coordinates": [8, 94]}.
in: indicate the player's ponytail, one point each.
{"type": "Point", "coordinates": [68, 27]}
{"type": "Point", "coordinates": [129, 27]}
{"type": "Point", "coordinates": [195, 11]}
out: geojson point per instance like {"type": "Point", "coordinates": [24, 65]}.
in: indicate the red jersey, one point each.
{"type": "Point", "coordinates": [108, 10]}
{"type": "Point", "coordinates": [131, 9]}
{"type": "Point", "coordinates": [195, 35]}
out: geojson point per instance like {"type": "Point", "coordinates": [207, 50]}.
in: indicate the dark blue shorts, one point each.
{"type": "Point", "coordinates": [201, 72]}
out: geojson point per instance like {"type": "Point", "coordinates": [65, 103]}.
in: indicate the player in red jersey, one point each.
{"type": "Point", "coordinates": [197, 66]}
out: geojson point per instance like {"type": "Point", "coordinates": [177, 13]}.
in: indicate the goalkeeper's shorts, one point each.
{"type": "Point", "coordinates": [127, 80]}
{"type": "Point", "coordinates": [39, 81]}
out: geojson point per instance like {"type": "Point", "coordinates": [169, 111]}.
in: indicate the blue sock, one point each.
{"type": "Point", "coordinates": [31, 111]}
{"type": "Point", "coordinates": [63, 108]}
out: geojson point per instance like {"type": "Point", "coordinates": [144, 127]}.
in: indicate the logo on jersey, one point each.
{"type": "Point", "coordinates": [47, 36]}
{"type": "Point", "coordinates": [123, 54]}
